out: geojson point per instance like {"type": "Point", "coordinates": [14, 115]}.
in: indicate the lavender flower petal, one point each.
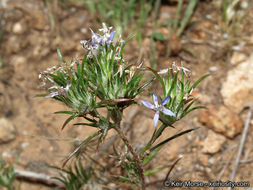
{"type": "Point", "coordinates": [111, 36]}
{"type": "Point", "coordinates": [67, 87]}
{"type": "Point", "coordinates": [155, 100]}
{"type": "Point", "coordinates": [165, 100]}
{"type": "Point", "coordinates": [95, 38]}
{"type": "Point", "coordinates": [156, 117]}
{"type": "Point", "coordinates": [51, 95]}
{"type": "Point", "coordinates": [147, 104]}
{"type": "Point", "coordinates": [168, 112]}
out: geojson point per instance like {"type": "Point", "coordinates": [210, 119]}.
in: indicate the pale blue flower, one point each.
{"type": "Point", "coordinates": [158, 107]}
{"type": "Point", "coordinates": [110, 39]}
{"type": "Point", "coordinates": [97, 39]}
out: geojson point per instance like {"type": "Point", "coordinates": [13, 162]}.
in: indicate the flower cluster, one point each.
{"type": "Point", "coordinates": [97, 40]}
{"type": "Point", "coordinates": [58, 90]}
{"type": "Point", "coordinates": [54, 88]}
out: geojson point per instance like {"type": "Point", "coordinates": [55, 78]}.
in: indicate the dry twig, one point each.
{"type": "Point", "coordinates": [243, 138]}
{"type": "Point", "coordinates": [37, 178]}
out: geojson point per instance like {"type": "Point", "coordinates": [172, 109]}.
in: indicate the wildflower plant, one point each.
{"type": "Point", "coordinates": [104, 79]}
{"type": "Point", "coordinates": [7, 175]}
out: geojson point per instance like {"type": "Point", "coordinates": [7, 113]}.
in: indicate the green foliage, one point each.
{"type": "Point", "coordinates": [131, 169]}
{"type": "Point", "coordinates": [121, 13]}
{"type": "Point", "coordinates": [233, 15]}
{"type": "Point", "coordinates": [50, 14]}
{"type": "Point", "coordinates": [182, 19]}
{"type": "Point", "coordinates": [77, 177]}
{"type": "Point", "coordinates": [158, 36]}
{"type": "Point", "coordinates": [179, 88]}
{"type": "Point", "coordinates": [176, 28]}
{"type": "Point", "coordinates": [7, 175]}
{"type": "Point", "coordinates": [111, 79]}
{"type": "Point", "coordinates": [105, 76]}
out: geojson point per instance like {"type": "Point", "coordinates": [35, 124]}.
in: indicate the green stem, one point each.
{"type": "Point", "coordinates": [158, 133]}
{"type": "Point", "coordinates": [155, 135]}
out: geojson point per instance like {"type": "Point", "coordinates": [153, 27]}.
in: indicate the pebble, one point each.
{"type": "Point", "coordinates": [237, 89]}
{"type": "Point", "coordinates": [213, 142]}
{"type": "Point", "coordinates": [221, 120]}
{"type": "Point", "coordinates": [24, 145]}
{"type": "Point", "coordinates": [7, 131]}
{"type": "Point", "coordinates": [237, 58]}
{"type": "Point", "coordinates": [213, 69]}
{"type": "Point", "coordinates": [17, 28]}
{"type": "Point", "coordinates": [6, 155]}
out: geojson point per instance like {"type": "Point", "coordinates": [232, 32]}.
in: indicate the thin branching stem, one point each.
{"type": "Point", "coordinates": [135, 155]}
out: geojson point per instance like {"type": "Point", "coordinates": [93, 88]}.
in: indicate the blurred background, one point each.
{"type": "Point", "coordinates": [205, 36]}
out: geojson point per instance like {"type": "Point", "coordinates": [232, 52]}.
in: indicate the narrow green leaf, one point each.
{"type": "Point", "coordinates": [151, 155]}
{"type": "Point", "coordinates": [158, 77]}
{"type": "Point", "coordinates": [124, 178]}
{"type": "Point", "coordinates": [189, 105]}
{"type": "Point", "coordinates": [159, 132]}
{"type": "Point", "coordinates": [198, 81]}
{"type": "Point", "coordinates": [158, 36]}
{"type": "Point", "coordinates": [64, 112]}
{"type": "Point", "coordinates": [68, 120]}
{"type": "Point", "coordinates": [195, 108]}
{"type": "Point", "coordinates": [59, 55]}
{"type": "Point", "coordinates": [40, 95]}
{"type": "Point", "coordinates": [85, 142]}
{"type": "Point", "coordinates": [153, 171]}
{"type": "Point", "coordinates": [148, 145]}
{"type": "Point", "coordinates": [171, 138]}
{"type": "Point", "coordinates": [88, 124]}
{"type": "Point", "coordinates": [144, 85]}
{"type": "Point", "coordinates": [187, 15]}
{"type": "Point", "coordinates": [174, 164]}
{"type": "Point", "coordinates": [179, 9]}
{"type": "Point", "coordinates": [168, 22]}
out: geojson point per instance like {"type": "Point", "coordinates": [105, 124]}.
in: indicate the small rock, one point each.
{"type": "Point", "coordinates": [84, 30]}
{"type": "Point", "coordinates": [211, 161]}
{"type": "Point", "coordinates": [18, 61]}
{"type": "Point", "coordinates": [203, 158]}
{"type": "Point", "coordinates": [221, 120]}
{"type": "Point", "coordinates": [7, 131]}
{"type": "Point", "coordinates": [71, 45]}
{"type": "Point", "coordinates": [166, 13]}
{"type": "Point", "coordinates": [239, 47]}
{"type": "Point", "coordinates": [24, 145]}
{"type": "Point", "coordinates": [213, 142]}
{"type": "Point", "coordinates": [18, 28]}
{"type": "Point", "coordinates": [4, 4]}
{"type": "Point", "coordinates": [237, 90]}
{"type": "Point", "coordinates": [213, 69]}
{"type": "Point", "coordinates": [15, 44]}
{"type": "Point", "coordinates": [251, 39]}
{"type": "Point", "coordinates": [202, 97]}
{"type": "Point", "coordinates": [237, 58]}
{"type": "Point", "coordinates": [244, 4]}
{"type": "Point", "coordinates": [37, 20]}
{"type": "Point", "coordinates": [6, 155]}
